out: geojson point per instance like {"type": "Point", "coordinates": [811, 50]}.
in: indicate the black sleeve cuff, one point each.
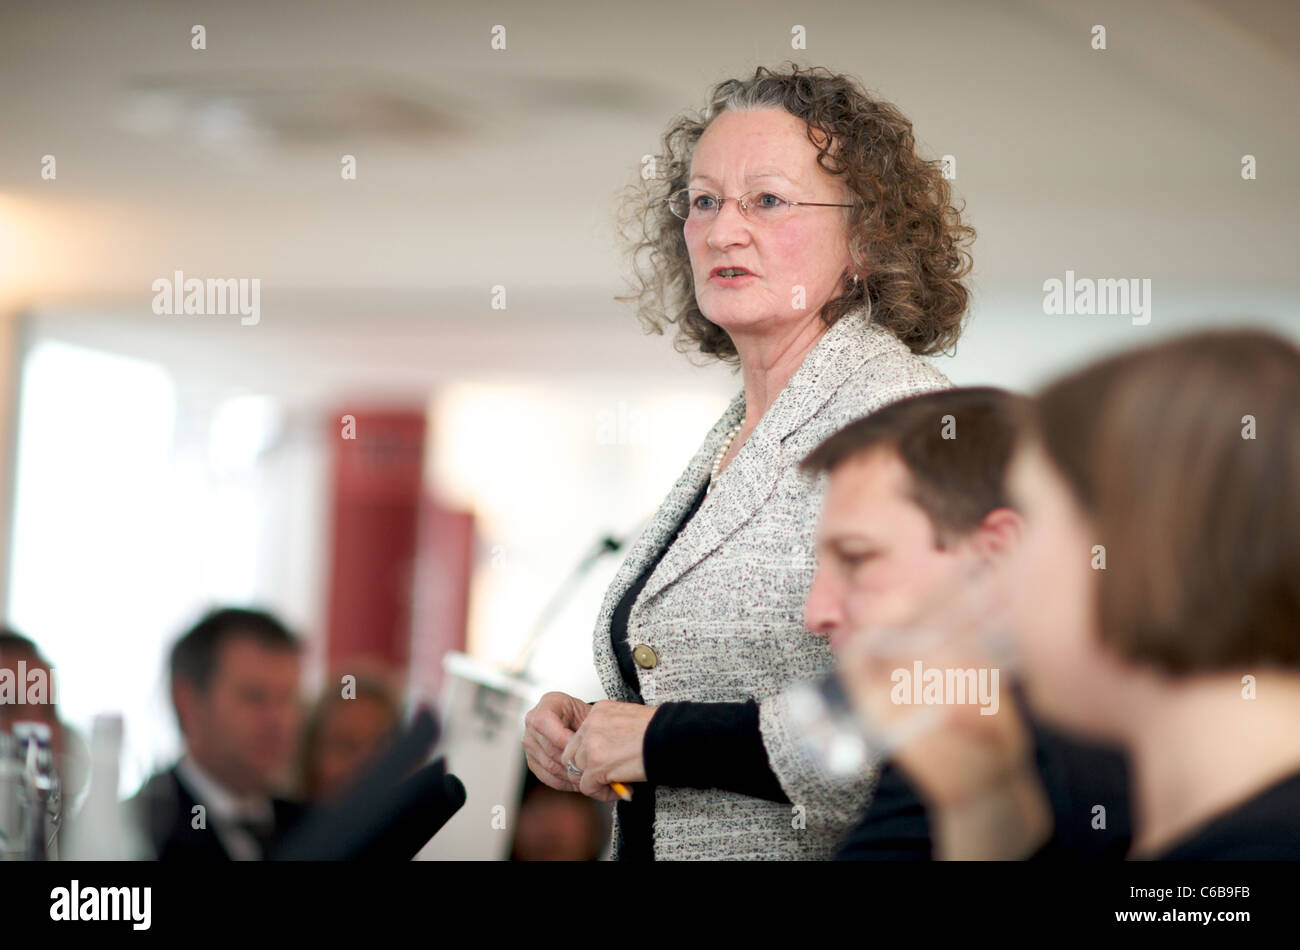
{"type": "Point", "coordinates": [710, 745]}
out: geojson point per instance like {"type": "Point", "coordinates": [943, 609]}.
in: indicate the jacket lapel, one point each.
{"type": "Point", "coordinates": [661, 527]}
{"type": "Point", "coordinates": [753, 474]}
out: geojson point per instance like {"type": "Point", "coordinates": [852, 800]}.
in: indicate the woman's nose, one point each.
{"type": "Point", "coordinates": [729, 226]}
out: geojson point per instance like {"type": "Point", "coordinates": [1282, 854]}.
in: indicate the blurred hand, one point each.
{"type": "Point", "coordinates": [973, 767]}
{"type": "Point", "coordinates": [608, 747]}
{"type": "Point", "coordinates": [548, 728]}
{"type": "Point", "coordinates": [965, 756]}
{"type": "Point", "coordinates": [981, 785]}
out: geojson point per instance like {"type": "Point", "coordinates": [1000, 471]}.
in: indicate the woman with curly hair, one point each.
{"type": "Point", "coordinates": [796, 235]}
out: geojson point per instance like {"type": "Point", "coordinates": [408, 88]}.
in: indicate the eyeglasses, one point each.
{"type": "Point", "coordinates": [764, 207]}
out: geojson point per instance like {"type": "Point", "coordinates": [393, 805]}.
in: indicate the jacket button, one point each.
{"type": "Point", "coordinates": [644, 656]}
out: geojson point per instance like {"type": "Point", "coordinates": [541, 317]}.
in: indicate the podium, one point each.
{"type": "Point", "coordinates": [482, 713]}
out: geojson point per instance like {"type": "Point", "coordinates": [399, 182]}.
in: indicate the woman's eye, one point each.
{"type": "Point", "coordinates": [769, 200]}
{"type": "Point", "coordinates": [703, 198]}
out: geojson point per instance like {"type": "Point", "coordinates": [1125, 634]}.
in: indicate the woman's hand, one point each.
{"type": "Point", "coordinates": [548, 728]}
{"type": "Point", "coordinates": [608, 747]}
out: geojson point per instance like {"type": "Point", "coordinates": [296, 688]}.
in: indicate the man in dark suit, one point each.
{"type": "Point", "coordinates": [235, 687]}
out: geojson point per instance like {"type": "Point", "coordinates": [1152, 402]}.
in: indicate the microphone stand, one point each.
{"type": "Point", "coordinates": [605, 545]}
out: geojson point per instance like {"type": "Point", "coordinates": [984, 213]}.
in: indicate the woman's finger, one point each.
{"type": "Point", "coordinates": [553, 735]}
{"type": "Point", "coordinates": [548, 769]}
{"type": "Point", "coordinates": [544, 773]}
{"type": "Point", "coordinates": [545, 744]}
{"type": "Point", "coordinates": [571, 751]}
{"type": "Point", "coordinates": [602, 793]}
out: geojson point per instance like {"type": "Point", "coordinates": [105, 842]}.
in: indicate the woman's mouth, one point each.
{"type": "Point", "coordinates": [729, 275]}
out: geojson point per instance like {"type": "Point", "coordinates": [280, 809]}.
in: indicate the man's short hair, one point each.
{"type": "Point", "coordinates": [15, 644]}
{"type": "Point", "coordinates": [194, 656]}
{"type": "Point", "coordinates": [11, 641]}
{"type": "Point", "coordinates": [956, 445]}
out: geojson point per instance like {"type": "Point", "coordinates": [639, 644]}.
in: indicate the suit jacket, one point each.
{"type": "Point", "coordinates": [164, 810]}
{"type": "Point", "coordinates": [723, 610]}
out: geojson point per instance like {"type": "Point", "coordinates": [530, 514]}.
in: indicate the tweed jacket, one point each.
{"type": "Point", "coordinates": [723, 610]}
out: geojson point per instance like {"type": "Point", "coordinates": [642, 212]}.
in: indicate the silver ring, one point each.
{"type": "Point", "coordinates": [573, 769]}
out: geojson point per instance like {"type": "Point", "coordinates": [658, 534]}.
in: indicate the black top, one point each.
{"type": "Point", "coordinates": [693, 745]}
{"type": "Point", "coordinates": [1263, 828]}
{"type": "Point", "coordinates": [893, 827]}
{"type": "Point", "coordinates": [164, 809]}
{"type": "Point", "coordinates": [1076, 776]}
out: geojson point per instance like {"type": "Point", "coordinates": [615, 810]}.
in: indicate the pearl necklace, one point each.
{"type": "Point", "coordinates": [722, 453]}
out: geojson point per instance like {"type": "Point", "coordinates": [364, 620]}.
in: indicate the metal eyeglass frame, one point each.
{"type": "Point", "coordinates": [742, 203]}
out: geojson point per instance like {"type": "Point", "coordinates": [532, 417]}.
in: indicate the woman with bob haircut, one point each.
{"type": "Point", "coordinates": [792, 232]}
{"type": "Point", "coordinates": [1155, 604]}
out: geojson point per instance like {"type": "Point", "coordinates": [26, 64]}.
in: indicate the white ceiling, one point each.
{"type": "Point", "coordinates": [1124, 160]}
{"type": "Point", "coordinates": [479, 167]}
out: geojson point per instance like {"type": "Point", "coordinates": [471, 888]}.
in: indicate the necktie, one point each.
{"type": "Point", "coordinates": [262, 831]}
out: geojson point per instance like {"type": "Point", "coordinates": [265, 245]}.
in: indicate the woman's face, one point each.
{"type": "Point", "coordinates": [1070, 678]}
{"type": "Point", "coordinates": [797, 264]}
{"type": "Point", "coordinates": [354, 731]}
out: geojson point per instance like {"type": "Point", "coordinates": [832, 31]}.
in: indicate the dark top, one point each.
{"type": "Point", "coordinates": [1263, 828]}
{"type": "Point", "coordinates": [1076, 776]}
{"type": "Point", "coordinates": [164, 808]}
{"type": "Point", "coordinates": [893, 827]}
{"type": "Point", "coordinates": [692, 745]}
{"type": "Point", "coordinates": [1079, 776]}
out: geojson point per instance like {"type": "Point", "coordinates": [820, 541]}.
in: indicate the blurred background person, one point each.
{"type": "Point", "coordinates": [235, 688]}
{"type": "Point", "coordinates": [916, 493]}
{"type": "Point", "coordinates": [796, 235]}
{"type": "Point", "coordinates": [71, 754]}
{"type": "Point", "coordinates": [558, 826]}
{"type": "Point", "coordinates": [347, 727]}
{"type": "Point", "coordinates": [1155, 603]}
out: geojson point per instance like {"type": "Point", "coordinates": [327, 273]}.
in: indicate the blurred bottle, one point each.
{"type": "Point", "coordinates": [12, 792]}
{"type": "Point", "coordinates": [103, 829]}
{"type": "Point", "coordinates": [30, 798]}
